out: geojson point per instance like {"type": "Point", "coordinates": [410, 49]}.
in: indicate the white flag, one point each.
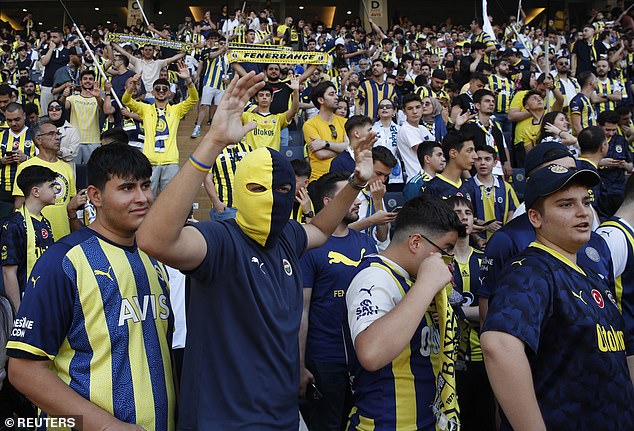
{"type": "Point", "coordinates": [487, 27]}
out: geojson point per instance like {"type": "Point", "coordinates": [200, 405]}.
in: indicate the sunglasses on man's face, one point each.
{"type": "Point", "coordinates": [161, 89]}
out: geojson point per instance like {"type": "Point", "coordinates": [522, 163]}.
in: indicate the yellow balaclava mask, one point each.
{"type": "Point", "coordinates": [263, 215]}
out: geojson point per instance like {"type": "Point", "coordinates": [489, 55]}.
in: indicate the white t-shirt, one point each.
{"type": "Point", "coordinates": [150, 70]}
{"type": "Point", "coordinates": [408, 137]}
{"type": "Point", "coordinates": [618, 245]}
{"type": "Point", "coordinates": [372, 294]}
{"type": "Point", "coordinates": [177, 299]}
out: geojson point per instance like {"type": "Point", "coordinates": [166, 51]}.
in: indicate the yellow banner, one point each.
{"type": "Point", "coordinates": [156, 41]}
{"type": "Point", "coordinates": [266, 56]}
{"type": "Point", "coordinates": [259, 47]}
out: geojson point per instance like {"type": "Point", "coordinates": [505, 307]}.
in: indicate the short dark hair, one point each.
{"type": "Point", "coordinates": [590, 139]}
{"type": "Point", "coordinates": [266, 87]}
{"type": "Point", "coordinates": [31, 108]}
{"type": "Point", "coordinates": [478, 95]}
{"type": "Point", "coordinates": [608, 117]}
{"type": "Point", "coordinates": [301, 167]}
{"type": "Point", "coordinates": [489, 149]}
{"type": "Point", "coordinates": [356, 121]}
{"type": "Point", "coordinates": [117, 135]}
{"type": "Point", "coordinates": [456, 200]}
{"type": "Point", "coordinates": [87, 72]}
{"type": "Point", "coordinates": [410, 97]}
{"type": "Point", "coordinates": [479, 76]}
{"type": "Point", "coordinates": [34, 176]}
{"type": "Point", "coordinates": [118, 160]}
{"type": "Point", "coordinates": [383, 155]}
{"type": "Point", "coordinates": [161, 81]}
{"type": "Point", "coordinates": [319, 91]}
{"type": "Point", "coordinates": [528, 95]}
{"type": "Point", "coordinates": [428, 215]}
{"type": "Point", "coordinates": [454, 140]}
{"type": "Point", "coordinates": [325, 187]}
{"type": "Point", "coordinates": [13, 107]}
{"type": "Point", "coordinates": [439, 74]}
{"type": "Point", "coordinates": [426, 148]}
{"type": "Point", "coordinates": [584, 77]}
{"type": "Point", "coordinates": [5, 90]}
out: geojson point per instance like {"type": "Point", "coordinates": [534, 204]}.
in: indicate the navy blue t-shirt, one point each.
{"type": "Point", "coordinates": [443, 188]}
{"type": "Point", "coordinates": [614, 178]}
{"type": "Point", "coordinates": [575, 343]}
{"type": "Point", "coordinates": [328, 270]}
{"type": "Point", "coordinates": [342, 163]}
{"type": "Point", "coordinates": [515, 236]}
{"type": "Point", "coordinates": [241, 366]}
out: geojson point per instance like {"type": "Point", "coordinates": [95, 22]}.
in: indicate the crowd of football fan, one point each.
{"type": "Point", "coordinates": [489, 124]}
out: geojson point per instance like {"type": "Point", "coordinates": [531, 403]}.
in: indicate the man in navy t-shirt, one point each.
{"type": "Point", "coordinates": [327, 272]}
{"type": "Point", "coordinates": [241, 365]}
{"type": "Point", "coordinates": [553, 340]}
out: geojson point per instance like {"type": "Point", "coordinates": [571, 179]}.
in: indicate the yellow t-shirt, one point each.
{"type": "Point", "coordinates": [167, 155]}
{"type": "Point", "coordinates": [268, 132]}
{"type": "Point", "coordinates": [84, 116]}
{"type": "Point", "coordinates": [518, 101]}
{"type": "Point", "coordinates": [527, 132]}
{"type": "Point", "coordinates": [316, 128]}
{"type": "Point", "coordinates": [56, 214]}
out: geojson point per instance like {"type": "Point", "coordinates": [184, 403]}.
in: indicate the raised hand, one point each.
{"type": "Point", "coordinates": [183, 71]}
{"type": "Point", "coordinates": [294, 83]}
{"type": "Point", "coordinates": [226, 127]}
{"type": "Point", "coordinates": [463, 118]}
{"type": "Point", "coordinates": [132, 83]}
{"type": "Point", "coordinates": [364, 167]}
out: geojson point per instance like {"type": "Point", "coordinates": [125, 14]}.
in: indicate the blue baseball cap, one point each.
{"type": "Point", "coordinates": [552, 178]}
{"type": "Point", "coordinates": [544, 152]}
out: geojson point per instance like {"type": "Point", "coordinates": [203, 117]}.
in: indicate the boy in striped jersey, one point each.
{"type": "Point", "coordinates": [503, 88]}
{"type": "Point", "coordinates": [211, 78]}
{"type": "Point", "coordinates": [59, 358]}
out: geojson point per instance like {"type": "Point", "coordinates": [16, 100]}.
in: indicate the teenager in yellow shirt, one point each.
{"type": "Point", "coordinates": [269, 127]}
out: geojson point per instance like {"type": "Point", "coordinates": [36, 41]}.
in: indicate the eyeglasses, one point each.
{"type": "Point", "coordinates": [161, 88]}
{"type": "Point", "coordinates": [333, 131]}
{"type": "Point", "coordinates": [385, 107]}
{"type": "Point", "coordinates": [55, 108]}
{"type": "Point", "coordinates": [51, 133]}
{"type": "Point", "coordinates": [447, 257]}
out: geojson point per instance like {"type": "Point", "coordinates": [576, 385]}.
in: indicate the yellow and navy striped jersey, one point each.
{"type": "Point", "coordinates": [150, 116]}
{"type": "Point", "coordinates": [10, 142]}
{"type": "Point", "coordinates": [84, 116]}
{"type": "Point", "coordinates": [492, 203]}
{"type": "Point", "coordinates": [581, 105]}
{"type": "Point", "coordinates": [113, 351]}
{"type": "Point", "coordinates": [260, 36]}
{"type": "Point", "coordinates": [371, 93]}
{"type": "Point", "coordinates": [422, 91]}
{"type": "Point", "coordinates": [213, 71]}
{"type": "Point", "coordinates": [466, 276]}
{"type": "Point", "coordinates": [486, 39]}
{"type": "Point", "coordinates": [503, 89]}
{"type": "Point", "coordinates": [607, 87]}
{"type": "Point", "coordinates": [439, 95]}
{"type": "Point", "coordinates": [224, 170]}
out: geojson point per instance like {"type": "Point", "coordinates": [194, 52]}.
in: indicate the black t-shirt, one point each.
{"type": "Point", "coordinates": [587, 55]}
{"type": "Point", "coordinates": [281, 95]}
{"type": "Point", "coordinates": [58, 59]}
{"type": "Point", "coordinates": [465, 101]}
{"type": "Point", "coordinates": [402, 90]}
{"type": "Point", "coordinates": [520, 74]}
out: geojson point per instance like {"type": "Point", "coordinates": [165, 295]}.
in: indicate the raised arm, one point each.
{"type": "Point", "coordinates": [294, 85]}
{"type": "Point", "coordinates": [181, 247]}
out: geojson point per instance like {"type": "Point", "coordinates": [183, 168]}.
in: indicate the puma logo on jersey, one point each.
{"type": "Point", "coordinates": [579, 296]}
{"type": "Point", "coordinates": [369, 290]}
{"type": "Point", "coordinates": [34, 280]}
{"type": "Point", "coordinates": [518, 262]}
{"type": "Point", "coordinates": [105, 274]}
{"type": "Point", "coordinates": [336, 257]}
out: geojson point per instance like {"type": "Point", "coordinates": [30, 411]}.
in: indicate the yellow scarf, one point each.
{"type": "Point", "coordinates": [445, 405]}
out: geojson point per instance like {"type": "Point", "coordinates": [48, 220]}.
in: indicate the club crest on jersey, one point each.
{"type": "Point", "coordinates": [44, 233]}
{"type": "Point", "coordinates": [28, 144]}
{"type": "Point", "coordinates": [596, 295]}
{"type": "Point", "coordinates": [288, 269]}
{"type": "Point", "coordinates": [593, 254]}
{"type": "Point", "coordinates": [619, 148]}
{"type": "Point", "coordinates": [611, 297]}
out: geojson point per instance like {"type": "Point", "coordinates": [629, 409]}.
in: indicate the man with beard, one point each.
{"type": "Point", "coordinates": [607, 87]}
{"type": "Point", "coordinates": [567, 84]}
{"type": "Point", "coordinates": [68, 76]}
{"type": "Point", "coordinates": [16, 144]}
{"type": "Point", "coordinates": [85, 109]}
{"type": "Point", "coordinates": [29, 95]}
{"type": "Point", "coordinates": [327, 272]}
{"type": "Point", "coordinates": [502, 87]}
